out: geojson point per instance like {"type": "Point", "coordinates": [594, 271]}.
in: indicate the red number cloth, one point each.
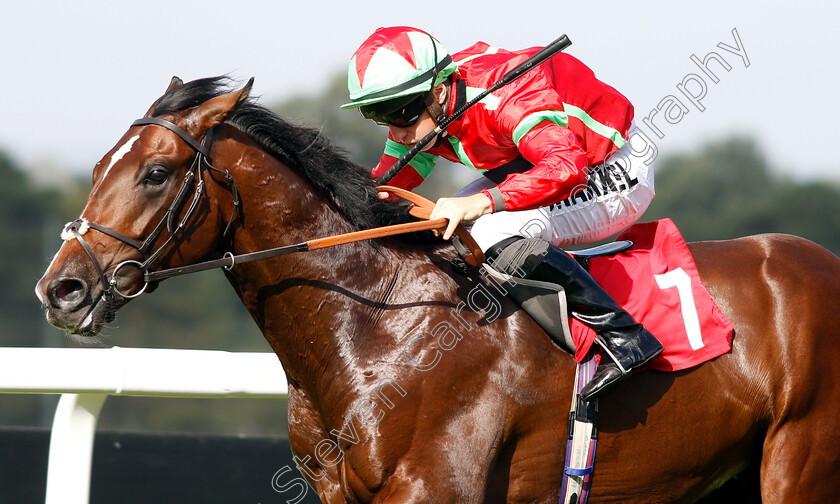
{"type": "Point", "coordinates": [657, 282]}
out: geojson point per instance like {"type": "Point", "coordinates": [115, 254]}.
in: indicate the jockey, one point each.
{"type": "Point", "coordinates": [545, 145]}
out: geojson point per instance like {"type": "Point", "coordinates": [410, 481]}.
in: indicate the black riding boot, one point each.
{"type": "Point", "coordinates": [627, 343]}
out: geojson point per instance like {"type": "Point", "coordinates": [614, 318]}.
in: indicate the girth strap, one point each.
{"type": "Point", "coordinates": [582, 442]}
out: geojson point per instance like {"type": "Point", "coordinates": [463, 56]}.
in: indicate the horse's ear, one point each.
{"type": "Point", "coordinates": [176, 82]}
{"type": "Point", "coordinates": [215, 110]}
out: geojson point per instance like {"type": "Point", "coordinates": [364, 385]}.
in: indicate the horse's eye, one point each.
{"type": "Point", "coordinates": [157, 176]}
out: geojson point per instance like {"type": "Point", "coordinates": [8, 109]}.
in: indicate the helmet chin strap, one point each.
{"type": "Point", "coordinates": [434, 108]}
{"type": "Point", "coordinates": [436, 111]}
{"type": "Point", "coordinates": [432, 105]}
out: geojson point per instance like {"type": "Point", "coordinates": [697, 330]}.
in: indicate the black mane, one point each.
{"type": "Point", "coordinates": [327, 166]}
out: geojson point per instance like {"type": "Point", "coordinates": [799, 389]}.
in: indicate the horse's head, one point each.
{"type": "Point", "coordinates": [147, 209]}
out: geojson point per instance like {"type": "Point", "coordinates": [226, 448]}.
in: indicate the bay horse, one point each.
{"type": "Point", "coordinates": [408, 381]}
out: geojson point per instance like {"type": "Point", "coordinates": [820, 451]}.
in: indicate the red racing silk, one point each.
{"type": "Point", "coordinates": [657, 282]}
{"type": "Point", "coordinates": [558, 116]}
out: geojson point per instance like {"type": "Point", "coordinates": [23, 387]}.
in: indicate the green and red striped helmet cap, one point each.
{"type": "Point", "coordinates": [395, 62]}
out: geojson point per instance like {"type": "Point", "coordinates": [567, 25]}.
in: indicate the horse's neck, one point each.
{"type": "Point", "coordinates": [311, 306]}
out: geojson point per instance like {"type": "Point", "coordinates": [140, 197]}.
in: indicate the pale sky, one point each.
{"type": "Point", "coordinates": [75, 74]}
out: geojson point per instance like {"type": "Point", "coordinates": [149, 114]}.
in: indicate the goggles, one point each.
{"type": "Point", "coordinates": [400, 112]}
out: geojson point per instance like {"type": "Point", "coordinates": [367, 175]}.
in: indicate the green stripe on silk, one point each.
{"type": "Point", "coordinates": [562, 119]}
{"type": "Point", "coordinates": [610, 133]}
{"type": "Point", "coordinates": [423, 163]}
{"type": "Point", "coordinates": [462, 154]}
{"type": "Point", "coordinates": [530, 121]}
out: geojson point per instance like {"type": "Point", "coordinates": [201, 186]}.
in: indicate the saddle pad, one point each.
{"type": "Point", "coordinates": [657, 282]}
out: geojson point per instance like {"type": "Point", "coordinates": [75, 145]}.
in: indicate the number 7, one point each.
{"type": "Point", "coordinates": [680, 279]}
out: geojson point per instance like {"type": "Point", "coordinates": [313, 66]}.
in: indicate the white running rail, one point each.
{"type": "Point", "coordinates": [86, 376]}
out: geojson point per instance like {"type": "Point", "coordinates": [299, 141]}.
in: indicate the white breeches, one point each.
{"type": "Point", "coordinates": [616, 195]}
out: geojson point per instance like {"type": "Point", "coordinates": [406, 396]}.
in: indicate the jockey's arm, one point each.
{"type": "Point", "coordinates": [559, 166]}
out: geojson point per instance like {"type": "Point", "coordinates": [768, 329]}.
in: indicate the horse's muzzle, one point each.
{"type": "Point", "coordinates": [64, 293]}
{"type": "Point", "coordinates": [71, 306]}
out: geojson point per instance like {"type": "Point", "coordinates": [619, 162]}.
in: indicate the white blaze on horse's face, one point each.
{"type": "Point", "coordinates": [122, 151]}
{"type": "Point", "coordinates": [116, 157]}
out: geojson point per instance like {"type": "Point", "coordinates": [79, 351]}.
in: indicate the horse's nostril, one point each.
{"type": "Point", "coordinates": [67, 293]}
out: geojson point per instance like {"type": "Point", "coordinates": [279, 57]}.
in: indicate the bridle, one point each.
{"type": "Point", "coordinates": [194, 176]}
{"type": "Point", "coordinates": [420, 207]}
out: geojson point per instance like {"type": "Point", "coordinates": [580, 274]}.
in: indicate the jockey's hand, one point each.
{"type": "Point", "coordinates": [466, 208]}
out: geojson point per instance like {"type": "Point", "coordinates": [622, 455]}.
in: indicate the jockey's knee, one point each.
{"type": "Point", "coordinates": [493, 228]}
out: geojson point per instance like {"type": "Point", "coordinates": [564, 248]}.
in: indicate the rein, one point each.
{"type": "Point", "coordinates": [420, 207]}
